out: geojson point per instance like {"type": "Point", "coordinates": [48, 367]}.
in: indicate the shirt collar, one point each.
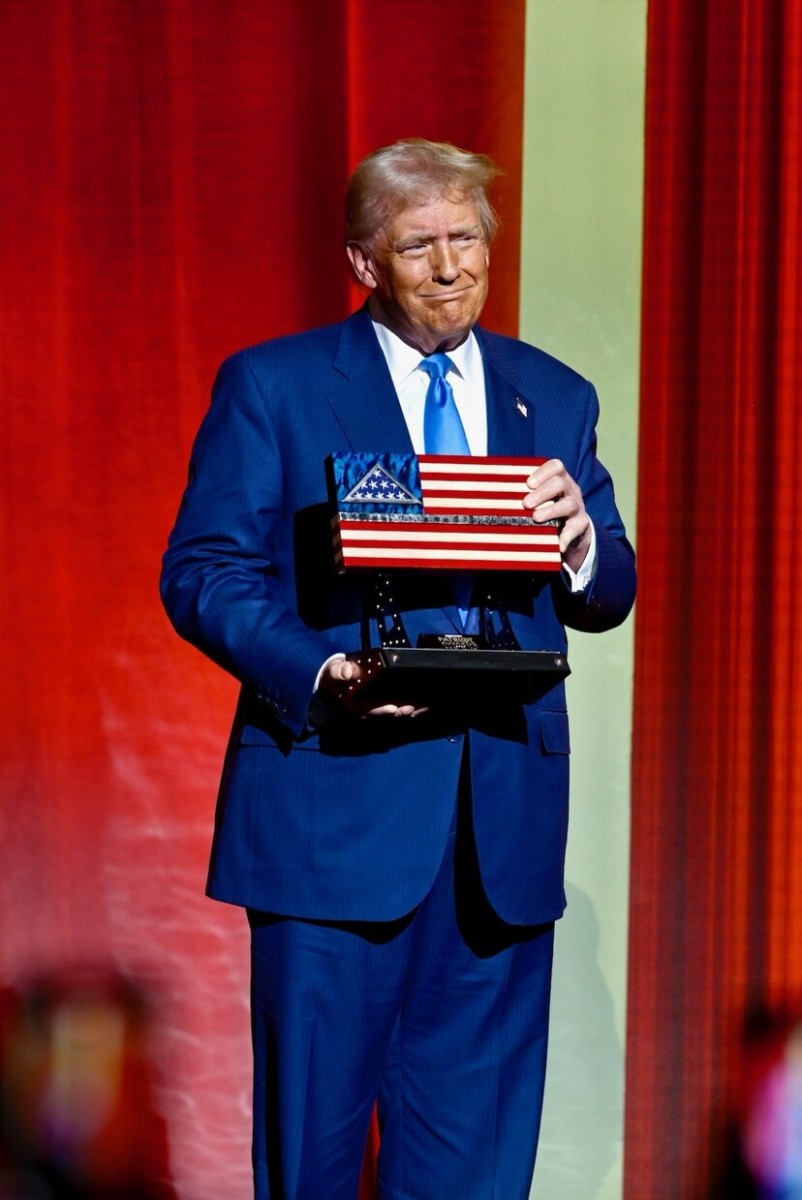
{"type": "Point", "coordinates": [403, 359]}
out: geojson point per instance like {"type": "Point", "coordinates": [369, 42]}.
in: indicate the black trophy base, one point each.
{"type": "Point", "coordinates": [453, 669]}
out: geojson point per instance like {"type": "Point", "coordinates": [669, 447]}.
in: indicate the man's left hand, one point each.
{"type": "Point", "coordinates": [554, 496]}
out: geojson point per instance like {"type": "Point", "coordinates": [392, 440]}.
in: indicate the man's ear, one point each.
{"type": "Point", "coordinates": [361, 264]}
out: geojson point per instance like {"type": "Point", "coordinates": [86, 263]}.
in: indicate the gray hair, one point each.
{"type": "Point", "coordinates": [412, 172]}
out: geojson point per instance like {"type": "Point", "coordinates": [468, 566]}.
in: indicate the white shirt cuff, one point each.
{"type": "Point", "coordinates": [580, 579]}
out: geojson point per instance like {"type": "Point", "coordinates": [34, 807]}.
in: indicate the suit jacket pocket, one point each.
{"type": "Point", "coordinates": [554, 737]}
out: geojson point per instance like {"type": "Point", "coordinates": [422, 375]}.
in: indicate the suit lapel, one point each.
{"type": "Point", "coordinates": [510, 414]}
{"type": "Point", "coordinates": [363, 398]}
{"type": "Point", "coordinates": [361, 392]}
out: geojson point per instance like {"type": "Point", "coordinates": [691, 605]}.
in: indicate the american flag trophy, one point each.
{"type": "Point", "coordinates": [460, 516]}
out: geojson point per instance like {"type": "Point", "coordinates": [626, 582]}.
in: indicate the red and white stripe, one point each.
{"type": "Point", "coordinates": [459, 487]}
{"type": "Point", "coordinates": [457, 546]}
{"type": "Point", "coordinates": [463, 485]}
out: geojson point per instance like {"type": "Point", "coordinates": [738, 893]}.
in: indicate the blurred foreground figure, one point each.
{"type": "Point", "coordinates": [771, 1127]}
{"type": "Point", "coordinates": [77, 1118]}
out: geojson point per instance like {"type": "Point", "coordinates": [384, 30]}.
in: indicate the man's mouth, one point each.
{"type": "Point", "coordinates": [446, 295]}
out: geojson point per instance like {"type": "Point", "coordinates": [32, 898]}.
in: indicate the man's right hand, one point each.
{"type": "Point", "coordinates": [338, 680]}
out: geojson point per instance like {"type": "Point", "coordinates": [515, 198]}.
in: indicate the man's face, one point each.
{"type": "Point", "coordinates": [428, 272]}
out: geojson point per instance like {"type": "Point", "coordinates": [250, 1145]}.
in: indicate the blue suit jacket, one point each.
{"type": "Point", "coordinates": [350, 821]}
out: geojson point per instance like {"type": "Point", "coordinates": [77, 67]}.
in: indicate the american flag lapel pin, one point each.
{"type": "Point", "coordinates": [522, 409]}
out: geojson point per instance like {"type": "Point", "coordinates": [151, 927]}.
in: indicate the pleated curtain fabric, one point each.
{"type": "Point", "coordinates": [716, 918]}
{"type": "Point", "coordinates": [172, 190]}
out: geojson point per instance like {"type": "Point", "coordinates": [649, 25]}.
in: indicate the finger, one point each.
{"type": "Point", "coordinates": [552, 489]}
{"type": "Point", "coordinates": [572, 533]}
{"type": "Point", "coordinates": [544, 472]}
{"type": "Point", "coordinates": [344, 671]}
{"type": "Point", "coordinates": [548, 511]}
{"type": "Point", "coordinates": [393, 710]}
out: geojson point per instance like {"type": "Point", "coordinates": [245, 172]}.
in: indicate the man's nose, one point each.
{"type": "Point", "coordinates": [446, 261]}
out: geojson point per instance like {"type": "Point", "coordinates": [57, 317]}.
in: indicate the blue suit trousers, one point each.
{"type": "Point", "coordinates": [441, 1017]}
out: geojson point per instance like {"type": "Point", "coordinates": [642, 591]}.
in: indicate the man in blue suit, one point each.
{"type": "Point", "coordinates": [401, 864]}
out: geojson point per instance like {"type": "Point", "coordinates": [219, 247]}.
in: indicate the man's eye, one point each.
{"type": "Point", "coordinates": [415, 250]}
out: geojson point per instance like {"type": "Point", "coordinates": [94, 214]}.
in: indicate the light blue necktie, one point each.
{"type": "Point", "coordinates": [442, 428]}
{"type": "Point", "coordinates": [443, 433]}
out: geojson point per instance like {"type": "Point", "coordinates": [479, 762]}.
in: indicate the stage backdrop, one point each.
{"type": "Point", "coordinates": [171, 189]}
{"type": "Point", "coordinates": [717, 768]}
{"type": "Point", "coordinates": [580, 300]}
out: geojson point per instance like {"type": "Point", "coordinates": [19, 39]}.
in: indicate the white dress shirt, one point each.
{"type": "Point", "coordinates": [411, 383]}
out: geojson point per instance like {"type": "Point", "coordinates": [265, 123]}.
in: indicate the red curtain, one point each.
{"type": "Point", "coordinates": [716, 928]}
{"type": "Point", "coordinates": [172, 187]}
